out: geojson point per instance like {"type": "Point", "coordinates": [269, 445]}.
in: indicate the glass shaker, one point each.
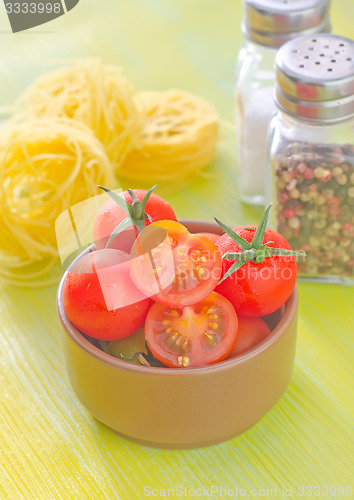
{"type": "Point", "coordinates": [267, 25]}
{"type": "Point", "coordinates": [312, 154]}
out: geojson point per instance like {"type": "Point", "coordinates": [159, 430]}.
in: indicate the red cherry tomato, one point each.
{"type": "Point", "coordinates": [174, 267]}
{"type": "Point", "coordinates": [196, 335]}
{"type": "Point", "coordinates": [110, 215]}
{"type": "Point", "coordinates": [100, 298]}
{"type": "Point", "coordinates": [251, 331]}
{"type": "Point", "coordinates": [212, 236]}
{"type": "Point", "coordinates": [257, 289]}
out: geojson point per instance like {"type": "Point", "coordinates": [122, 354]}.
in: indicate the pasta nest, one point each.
{"type": "Point", "coordinates": [46, 166]}
{"type": "Point", "coordinates": [178, 137]}
{"type": "Point", "coordinates": [95, 94]}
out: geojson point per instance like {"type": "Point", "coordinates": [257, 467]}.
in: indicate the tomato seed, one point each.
{"type": "Point", "coordinates": [185, 361]}
{"type": "Point", "coordinates": [200, 272]}
{"type": "Point", "coordinates": [211, 337]}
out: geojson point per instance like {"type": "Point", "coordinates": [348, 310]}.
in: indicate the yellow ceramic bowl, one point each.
{"type": "Point", "coordinates": [183, 408]}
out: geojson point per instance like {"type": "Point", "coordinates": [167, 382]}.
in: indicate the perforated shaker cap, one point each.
{"type": "Point", "coordinates": [315, 77]}
{"type": "Point", "coordinates": [274, 22]}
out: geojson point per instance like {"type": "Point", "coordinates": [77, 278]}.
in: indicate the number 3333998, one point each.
{"type": "Point", "coordinates": [33, 8]}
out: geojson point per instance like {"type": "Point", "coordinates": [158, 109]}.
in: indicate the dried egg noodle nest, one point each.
{"type": "Point", "coordinates": [95, 94]}
{"type": "Point", "coordinates": [178, 138]}
{"type": "Point", "coordinates": [46, 166]}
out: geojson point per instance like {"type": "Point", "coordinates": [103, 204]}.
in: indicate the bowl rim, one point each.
{"type": "Point", "coordinates": [290, 308]}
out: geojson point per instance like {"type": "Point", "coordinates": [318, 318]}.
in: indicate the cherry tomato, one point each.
{"type": "Point", "coordinates": [196, 335]}
{"type": "Point", "coordinates": [257, 289]}
{"type": "Point", "coordinates": [100, 298]}
{"type": "Point", "coordinates": [251, 331]}
{"type": "Point", "coordinates": [174, 267]}
{"type": "Point", "coordinates": [110, 215]}
{"type": "Point", "coordinates": [212, 236]}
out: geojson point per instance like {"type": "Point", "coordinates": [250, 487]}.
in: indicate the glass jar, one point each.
{"type": "Point", "coordinates": [312, 154]}
{"type": "Point", "coordinates": [268, 24]}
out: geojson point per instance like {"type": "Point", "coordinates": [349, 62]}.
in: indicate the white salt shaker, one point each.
{"type": "Point", "coordinates": [267, 25]}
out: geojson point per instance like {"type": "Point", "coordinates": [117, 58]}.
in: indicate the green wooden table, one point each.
{"type": "Point", "coordinates": [50, 446]}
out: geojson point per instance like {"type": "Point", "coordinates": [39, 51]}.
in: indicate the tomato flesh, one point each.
{"type": "Point", "coordinates": [176, 269]}
{"type": "Point", "coordinates": [100, 298]}
{"type": "Point", "coordinates": [196, 335]}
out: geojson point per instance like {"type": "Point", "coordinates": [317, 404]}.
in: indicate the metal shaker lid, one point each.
{"type": "Point", "coordinates": [315, 77]}
{"type": "Point", "coordinates": [274, 22]}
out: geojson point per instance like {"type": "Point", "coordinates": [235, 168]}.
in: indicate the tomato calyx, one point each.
{"type": "Point", "coordinates": [256, 251]}
{"type": "Point", "coordinates": [136, 215]}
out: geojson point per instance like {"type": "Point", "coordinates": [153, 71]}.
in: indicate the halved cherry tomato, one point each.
{"type": "Point", "coordinates": [196, 335]}
{"type": "Point", "coordinates": [174, 267]}
{"type": "Point", "coordinates": [251, 331]}
{"type": "Point", "coordinates": [100, 298]}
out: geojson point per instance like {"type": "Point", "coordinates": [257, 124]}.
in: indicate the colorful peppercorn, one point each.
{"type": "Point", "coordinates": [315, 193]}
